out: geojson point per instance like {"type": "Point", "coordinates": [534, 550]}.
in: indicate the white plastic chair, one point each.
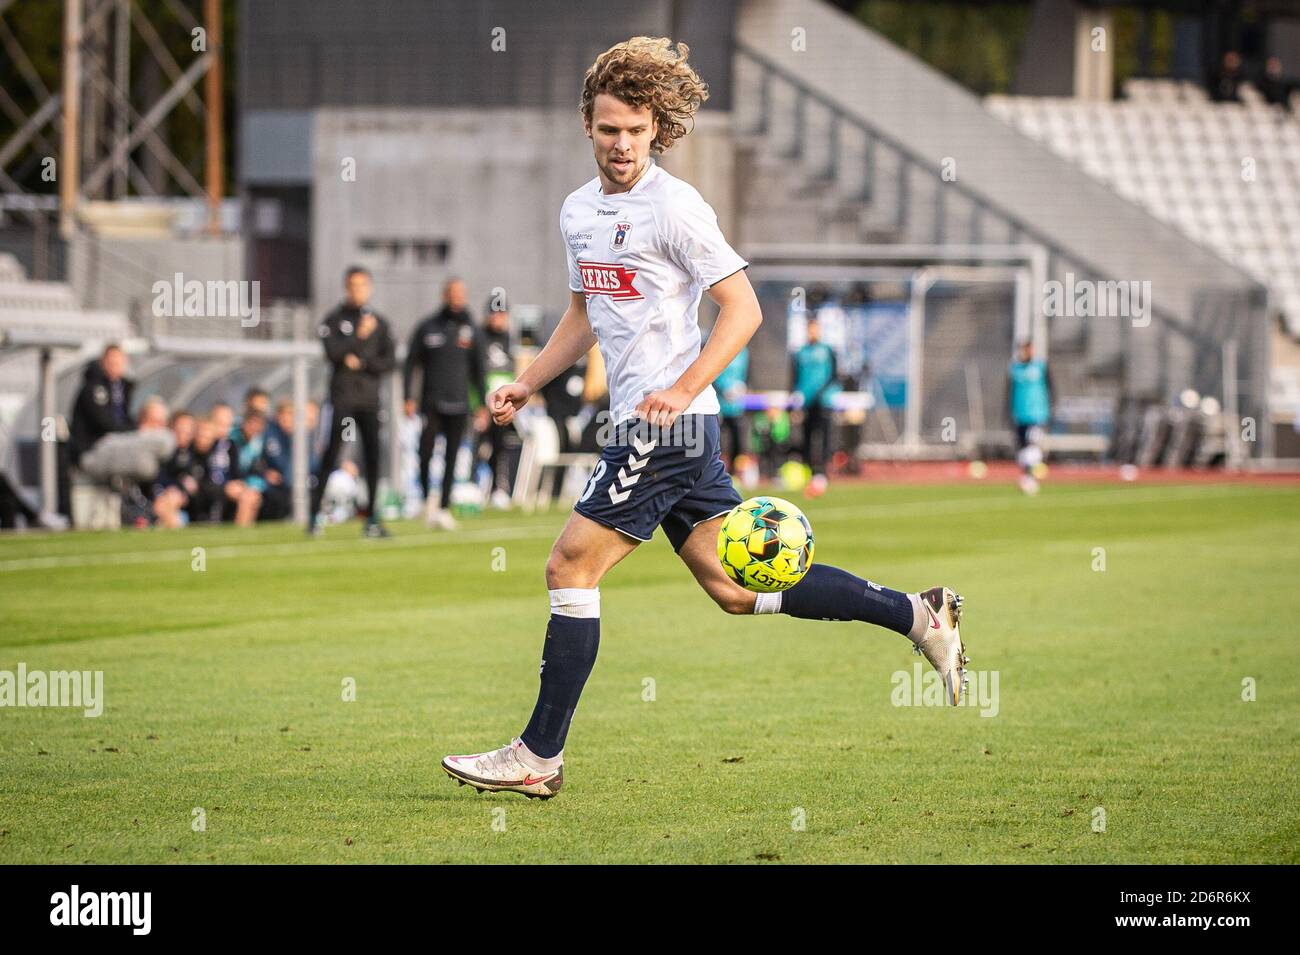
{"type": "Point", "coordinates": [541, 451]}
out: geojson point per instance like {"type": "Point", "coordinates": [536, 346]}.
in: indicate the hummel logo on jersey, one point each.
{"type": "Point", "coordinates": [602, 278]}
{"type": "Point", "coordinates": [620, 489]}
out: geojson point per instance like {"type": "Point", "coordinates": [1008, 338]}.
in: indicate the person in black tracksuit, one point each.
{"type": "Point", "coordinates": [447, 351]}
{"type": "Point", "coordinates": [499, 369]}
{"type": "Point", "coordinates": [563, 397]}
{"type": "Point", "coordinates": [103, 405]}
{"type": "Point", "coordinates": [360, 349]}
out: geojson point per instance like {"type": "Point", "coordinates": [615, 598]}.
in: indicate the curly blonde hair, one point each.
{"type": "Point", "coordinates": [649, 71]}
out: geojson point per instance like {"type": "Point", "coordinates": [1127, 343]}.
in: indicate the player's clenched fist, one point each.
{"type": "Point", "coordinates": [506, 400]}
{"type": "Point", "coordinates": [662, 407]}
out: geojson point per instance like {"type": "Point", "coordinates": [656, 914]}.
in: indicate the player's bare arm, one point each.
{"type": "Point", "coordinates": [738, 319]}
{"type": "Point", "coordinates": [571, 340]}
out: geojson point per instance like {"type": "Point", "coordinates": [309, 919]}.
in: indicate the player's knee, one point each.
{"type": "Point", "coordinates": [554, 570]}
{"type": "Point", "coordinates": [564, 569]}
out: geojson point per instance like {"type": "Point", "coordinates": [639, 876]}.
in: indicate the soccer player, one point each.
{"type": "Point", "coordinates": [813, 376]}
{"type": "Point", "coordinates": [1029, 404]}
{"type": "Point", "coordinates": [642, 247]}
{"type": "Point", "coordinates": [730, 388]}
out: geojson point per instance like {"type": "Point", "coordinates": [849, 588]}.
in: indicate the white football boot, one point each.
{"type": "Point", "coordinates": [504, 770]}
{"type": "Point", "coordinates": [941, 644]}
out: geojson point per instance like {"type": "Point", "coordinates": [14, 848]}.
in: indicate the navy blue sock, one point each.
{"type": "Point", "coordinates": [567, 658]}
{"type": "Point", "coordinates": [828, 593]}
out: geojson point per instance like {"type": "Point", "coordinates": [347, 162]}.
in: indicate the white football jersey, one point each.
{"type": "Point", "coordinates": [643, 258]}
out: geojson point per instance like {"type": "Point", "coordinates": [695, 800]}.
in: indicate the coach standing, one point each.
{"type": "Point", "coordinates": [360, 351]}
{"type": "Point", "coordinates": [446, 350]}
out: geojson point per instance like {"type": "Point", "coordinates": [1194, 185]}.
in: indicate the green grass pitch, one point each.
{"type": "Point", "coordinates": [767, 738]}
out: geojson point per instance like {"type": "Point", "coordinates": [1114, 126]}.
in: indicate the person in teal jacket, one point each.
{"type": "Point", "coordinates": [731, 387]}
{"type": "Point", "coordinates": [1029, 406]}
{"type": "Point", "coordinates": [813, 372]}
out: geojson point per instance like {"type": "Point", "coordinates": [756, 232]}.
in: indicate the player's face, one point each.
{"type": "Point", "coordinates": [621, 136]}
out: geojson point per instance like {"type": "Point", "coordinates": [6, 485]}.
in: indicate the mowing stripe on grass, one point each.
{"type": "Point", "coordinates": [302, 548]}
{"type": "Point", "coordinates": [955, 505]}
{"type": "Point", "coordinates": [960, 505]}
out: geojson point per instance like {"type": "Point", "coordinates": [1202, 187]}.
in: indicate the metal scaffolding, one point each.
{"type": "Point", "coordinates": [96, 123]}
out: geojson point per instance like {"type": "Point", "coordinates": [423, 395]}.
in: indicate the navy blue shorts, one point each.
{"type": "Point", "coordinates": [651, 477]}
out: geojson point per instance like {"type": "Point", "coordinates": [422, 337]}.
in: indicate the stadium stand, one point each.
{"type": "Point", "coordinates": [1226, 174]}
{"type": "Point", "coordinates": [32, 310]}
{"type": "Point", "coordinates": [871, 145]}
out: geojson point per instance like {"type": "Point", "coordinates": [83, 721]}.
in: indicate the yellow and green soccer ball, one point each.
{"type": "Point", "coordinates": [765, 544]}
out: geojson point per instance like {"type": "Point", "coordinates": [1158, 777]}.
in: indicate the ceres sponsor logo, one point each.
{"type": "Point", "coordinates": [601, 278]}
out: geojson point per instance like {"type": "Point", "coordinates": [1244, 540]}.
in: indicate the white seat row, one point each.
{"type": "Point", "coordinates": [1227, 174]}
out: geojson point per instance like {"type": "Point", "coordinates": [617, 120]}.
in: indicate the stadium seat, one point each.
{"type": "Point", "coordinates": [95, 507]}
{"type": "Point", "coordinates": [1166, 147]}
{"type": "Point", "coordinates": [541, 451]}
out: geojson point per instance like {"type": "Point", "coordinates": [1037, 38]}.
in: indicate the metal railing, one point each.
{"type": "Point", "coordinates": [880, 149]}
{"type": "Point", "coordinates": [909, 162]}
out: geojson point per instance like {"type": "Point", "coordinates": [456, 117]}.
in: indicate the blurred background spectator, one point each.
{"type": "Point", "coordinates": [103, 401]}
{"type": "Point", "coordinates": [445, 353]}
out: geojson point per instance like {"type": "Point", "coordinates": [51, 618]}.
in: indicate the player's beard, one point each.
{"type": "Point", "coordinates": [627, 178]}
